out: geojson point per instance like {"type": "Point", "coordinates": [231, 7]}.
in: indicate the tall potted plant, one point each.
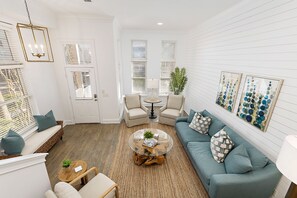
{"type": "Point", "coordinates": [178, 80]}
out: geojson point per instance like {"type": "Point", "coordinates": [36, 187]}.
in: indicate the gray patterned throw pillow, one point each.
{"type": "Point", "coordinates": [220, 145]}
{"type": "Point", "coordinates": [200, 123]}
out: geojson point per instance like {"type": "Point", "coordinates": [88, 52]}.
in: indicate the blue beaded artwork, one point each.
{"type": "Point", "coordinates": [228, 88]}
{"type": "Point", "coordinates": [257, 100]}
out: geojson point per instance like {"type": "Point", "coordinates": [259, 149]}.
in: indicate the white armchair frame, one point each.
{"type": "Point", "coordinates": [170, 121]}
{"type": "Point", "coordinates": [138, 121]}
{"type": "Point", "coordinates": [84, 178]}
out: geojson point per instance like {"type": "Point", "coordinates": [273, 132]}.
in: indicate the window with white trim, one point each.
{"type": "Point", "coordinates": [167, 65]}
{"type": "Point", "coordinates": [138, 61]}
{"type": "Point", "coordinates": [15, 108]}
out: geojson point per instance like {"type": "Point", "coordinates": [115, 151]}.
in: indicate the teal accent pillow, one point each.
{"type": "Point", "coordinates": [191, 116]}
{"type": "Point", "coordinates": [238, 161]}
{"type": "Point", "coordinates": [45, 121]}
{"type": "Point", "coordinates": [12, 143]}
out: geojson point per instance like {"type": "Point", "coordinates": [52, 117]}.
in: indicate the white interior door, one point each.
{"type": "Point", "coordinates": [84, 99]}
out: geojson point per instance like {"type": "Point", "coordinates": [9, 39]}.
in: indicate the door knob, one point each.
{"type": "Point", "coordinates": [95, 97]}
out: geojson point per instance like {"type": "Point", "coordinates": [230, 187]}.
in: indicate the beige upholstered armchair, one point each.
{"type": "Point", "coordinates": [135, 113]}
{"type": "Point", "coordinates": [99, 186]}
{"type": "Point", "coordinates": [173, 109]}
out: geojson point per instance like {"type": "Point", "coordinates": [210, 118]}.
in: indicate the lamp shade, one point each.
{"type": "Point", "coordinates": [152, 83]}
{"type": "Point", "coordinates": [287, 158]}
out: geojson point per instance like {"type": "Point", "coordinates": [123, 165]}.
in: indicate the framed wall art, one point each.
{"type": "Point", "coordinates": [258, 100]}
{"type": "Point", "coordinates": [228, 89]}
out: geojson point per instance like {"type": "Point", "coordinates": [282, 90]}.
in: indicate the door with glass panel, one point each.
{"type": "Point", "coordinates": [82, 86]}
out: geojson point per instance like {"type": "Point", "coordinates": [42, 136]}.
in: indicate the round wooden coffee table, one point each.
{"type": "Point", "coordinates": [68, 174]}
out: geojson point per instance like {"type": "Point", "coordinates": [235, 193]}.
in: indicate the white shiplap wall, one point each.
{"type": "Point", "coordinates": [253, 37]}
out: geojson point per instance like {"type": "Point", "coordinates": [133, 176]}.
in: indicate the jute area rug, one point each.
{"type": "Point", "coordinates": [175, 178]}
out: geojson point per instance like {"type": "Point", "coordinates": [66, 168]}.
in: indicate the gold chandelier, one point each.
{"type": "Point", "coordinates": [35, 41]}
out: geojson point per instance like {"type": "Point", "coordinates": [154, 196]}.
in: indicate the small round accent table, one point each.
{"type": "Point", "coordinates": [68, 174]}
{"type": "Point", "coordinates": [152, 101]}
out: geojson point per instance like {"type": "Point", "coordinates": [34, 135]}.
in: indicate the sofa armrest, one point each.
{"type": "Point", "coordinates": [181, 119]}
{"type": "Point", "coordinates": [261, 183]}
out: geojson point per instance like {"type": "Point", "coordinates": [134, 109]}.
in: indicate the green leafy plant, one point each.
{"type": "Point", "coordinates": [66, 163]}
{"type": "Point", "coordinates": [178, 80]}
{"type": "Point", "coordinates": [148, 134]}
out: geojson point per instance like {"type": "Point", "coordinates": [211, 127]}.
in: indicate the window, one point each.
{"type": "Point", "coordinates": [15, 109]}
{"type": "Point", "coordinates": [138, 66]}
{"type": "Point", "coordinates": [78, 54]}
{"type": "Point", "coordinates": [167, 65]}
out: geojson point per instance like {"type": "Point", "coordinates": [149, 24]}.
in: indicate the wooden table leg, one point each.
{"type": "Point", "coordinates": [139, 159]}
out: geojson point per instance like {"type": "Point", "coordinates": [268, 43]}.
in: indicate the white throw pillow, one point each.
{"type": "Point", "coordinates": [200, 123]}
{"type": "Point", "coordinates": [65, 190]}
{"type": "Point", "coordinates": [220, 145]}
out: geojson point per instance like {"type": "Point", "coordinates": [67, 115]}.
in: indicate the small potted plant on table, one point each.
{"type": "Point", "coordinates": [66, 164]}
{"type": "Point", "coordinates": [149, 139]}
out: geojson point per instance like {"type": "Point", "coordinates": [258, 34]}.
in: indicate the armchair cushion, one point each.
{"type": "Point", "coordinates": [170, 113]}
{"type": "Point", "coordinates": [137, 113]}
{"type": "Point", "coordinates": [132, 101]}
{"type": "Point", "coordinates": [97, 186]}
{"type": "Point", "coordinates": [65, 190]}
{"type": "Point", "coordinates": [175, 102]}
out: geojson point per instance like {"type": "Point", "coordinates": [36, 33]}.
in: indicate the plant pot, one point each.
{"type": "Point", "coordinates": [67, 169]}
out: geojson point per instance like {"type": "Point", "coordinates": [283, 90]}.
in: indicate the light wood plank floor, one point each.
{"type": "Point", "coordinates": [94, 143]}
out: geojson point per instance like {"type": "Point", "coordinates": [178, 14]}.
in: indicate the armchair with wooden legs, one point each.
{"type": "Point", "coordinates": [99, 186]}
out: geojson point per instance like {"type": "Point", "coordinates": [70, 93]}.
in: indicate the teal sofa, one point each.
{"type": "Point", "coordinates": [260, 182]}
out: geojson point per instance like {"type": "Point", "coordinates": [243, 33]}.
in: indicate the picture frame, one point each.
{"type": "Point", "coordinates": [228, 90]}
{"type": "Point", "coordinates": [258, 100]}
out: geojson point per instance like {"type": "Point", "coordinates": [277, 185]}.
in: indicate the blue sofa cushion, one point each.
{"type": "Point", "coordinates": [216, 124]}
{"type": "Point", "coordinates": [238, 161]}
{"type": "Point", "coordinates": [258, 159]}
{"type": "Point", "coordinates": [191, 116]}
{"type": "Point", "coordinates": [203, 161]}
{"type": "Point", "coordinates": [186, 134]}
{"type": "Point", "coordinates": [12, 143]}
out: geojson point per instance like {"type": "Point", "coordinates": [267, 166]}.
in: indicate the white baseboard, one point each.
{"type": "Point", "coordinates": [111, 121]}
{"type": "Point", "coordinates": [68, 122]}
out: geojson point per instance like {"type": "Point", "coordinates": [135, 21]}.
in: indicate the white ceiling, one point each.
{"type": "Point", "coordinates": [144, 14]}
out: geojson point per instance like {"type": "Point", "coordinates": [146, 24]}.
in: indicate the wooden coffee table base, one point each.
{"type": "Point", "coordinates": [147, 160]}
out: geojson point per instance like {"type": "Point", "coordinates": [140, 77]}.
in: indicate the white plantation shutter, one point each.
{"type": "Point", "coordinates": [139, 59]}
{"type": "Point", "coordinates": [15, 109]}
{"type": "Point", "coordinates": [8, 45]}
{"type": "Point", "coordinates": [167, 65]}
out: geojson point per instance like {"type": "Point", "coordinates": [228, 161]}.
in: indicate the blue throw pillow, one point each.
{"type": "Point", "coordinates": [45, 121]}
{"type": "Point", "coordinates": [238, 161]}
{"type": "Point", "coordinates": [191, 116]}
{"type": "Point", "coordinates": [12, 143]}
